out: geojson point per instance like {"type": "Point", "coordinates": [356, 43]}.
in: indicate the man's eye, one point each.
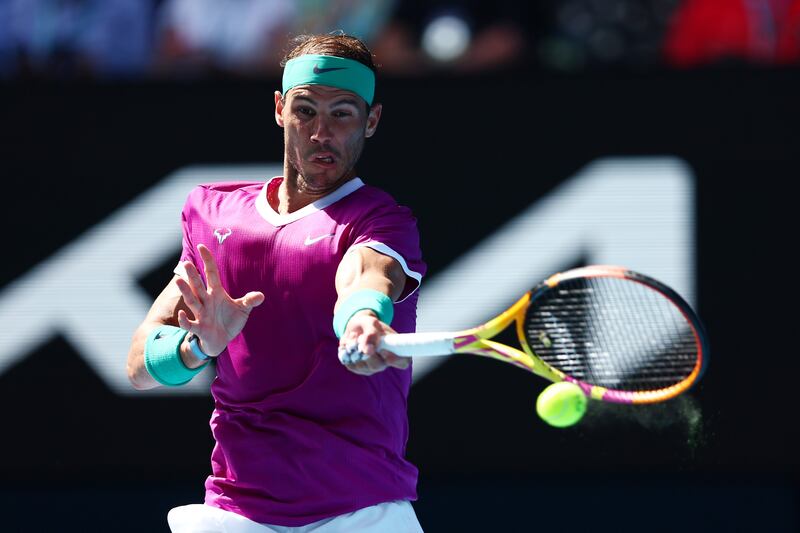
{"type": "Point", "coordinates": [341, 114]}
{"type": "Point", "coordinates": [305, 111]}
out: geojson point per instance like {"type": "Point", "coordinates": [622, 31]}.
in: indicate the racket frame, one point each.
{"type": "Point", "coordinates": [478, 341]}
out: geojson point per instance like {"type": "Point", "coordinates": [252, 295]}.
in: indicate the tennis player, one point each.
{"type": "Point", "coordinates": [274, 278]}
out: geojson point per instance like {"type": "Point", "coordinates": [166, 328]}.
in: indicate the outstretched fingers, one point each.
{"type": "Point", "coordinates": [188, 292]}
{"type": "Point", "coordinates": [195, 282]}
{"type": "Point", "coordinates": [210, 267]}
{"type": "Point", "coordinates": [251, 300]}
{"type": "Point", "coordinates": [185, 323]}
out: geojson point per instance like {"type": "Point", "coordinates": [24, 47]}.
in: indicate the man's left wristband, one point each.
{"type": "Point", "coordinates": [368, 299]}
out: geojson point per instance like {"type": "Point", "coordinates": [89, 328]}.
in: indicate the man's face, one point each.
{"type": "Point", "coordinates": [324, 131]}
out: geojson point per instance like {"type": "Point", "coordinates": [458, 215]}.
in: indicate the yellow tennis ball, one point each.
{"type": "Point", "coordinates": [561, 404]}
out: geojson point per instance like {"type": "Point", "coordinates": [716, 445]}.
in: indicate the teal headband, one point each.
{"type": "Point", "coordinates": [333, 71]}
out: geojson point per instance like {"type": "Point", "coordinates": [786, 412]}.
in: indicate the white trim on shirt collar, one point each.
{"type": "Point", "coordinates": [276, 219]}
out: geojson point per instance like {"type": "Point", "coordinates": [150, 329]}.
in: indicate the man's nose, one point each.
{"type": "Point", "coordinates": [322, 130]}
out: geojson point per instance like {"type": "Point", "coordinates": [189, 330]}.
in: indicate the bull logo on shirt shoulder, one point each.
{"type": "Point", "coordinates": [222, 233]}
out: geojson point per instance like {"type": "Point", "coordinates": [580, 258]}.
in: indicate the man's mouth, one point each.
{"type": "Point", "coordinates": [324, 158]}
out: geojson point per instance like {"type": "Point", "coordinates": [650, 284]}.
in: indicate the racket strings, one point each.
{"type": "Point", "coordinates": [612, 332]}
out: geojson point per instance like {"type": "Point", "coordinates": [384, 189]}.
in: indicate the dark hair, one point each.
{"type": "Point", "coordinates": [330, 44]}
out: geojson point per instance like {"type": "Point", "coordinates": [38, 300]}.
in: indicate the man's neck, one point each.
{"type": "Point", "coordinates": [293, 194]}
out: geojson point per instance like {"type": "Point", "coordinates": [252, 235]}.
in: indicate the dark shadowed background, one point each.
{"type": "Point", "coordinates": [468, 145]}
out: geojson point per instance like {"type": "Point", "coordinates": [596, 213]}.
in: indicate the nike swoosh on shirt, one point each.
{"type": "Point", "coordinates": [310, 241]}
{"type": "Point", "coordinates": [318, 70]}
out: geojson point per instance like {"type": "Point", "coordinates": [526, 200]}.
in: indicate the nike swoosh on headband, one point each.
{"type": "Point", "coordinates": [318, 70]}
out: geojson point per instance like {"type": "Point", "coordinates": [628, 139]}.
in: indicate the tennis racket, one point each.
{"type": "Point", "coordinates": [621, 336]}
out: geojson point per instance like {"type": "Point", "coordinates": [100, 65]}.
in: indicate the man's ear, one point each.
{"type": "Point", "coordinates": [372, 120]}
{"type": "Point", "coordinates": [279, 108]}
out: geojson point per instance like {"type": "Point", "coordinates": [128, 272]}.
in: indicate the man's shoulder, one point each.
{"type": "Point", "coordinates": [370, 197]}
{"type": "Point", "coordinates": [220, 190]}
{"type": "Point", "coordinates": [227, 187]}
{"type": "Point", "coordinates": [373, 205]}
{"type": "Point", "coordinates": [221, 197]}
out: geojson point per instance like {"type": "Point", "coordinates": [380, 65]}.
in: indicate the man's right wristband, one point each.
{"type": "Point", "coordinates": [162, 357]}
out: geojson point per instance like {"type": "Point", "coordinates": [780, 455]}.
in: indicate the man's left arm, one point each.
{"type": "Point", "coordinates": [371, 279]}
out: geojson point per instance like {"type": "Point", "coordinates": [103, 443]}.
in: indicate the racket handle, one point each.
{"type": "Point", "coordinates": [418, 344]}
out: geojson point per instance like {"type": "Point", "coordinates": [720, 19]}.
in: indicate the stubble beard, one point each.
{"type": "Point", "coordinates": [310, 184]}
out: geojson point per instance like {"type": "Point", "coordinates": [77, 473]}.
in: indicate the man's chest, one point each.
{"type": "Point", "coordinates": [252, 254]}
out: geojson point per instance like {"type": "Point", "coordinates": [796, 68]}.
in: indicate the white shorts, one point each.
{"type": "Point", "coordinates": [389, 517]}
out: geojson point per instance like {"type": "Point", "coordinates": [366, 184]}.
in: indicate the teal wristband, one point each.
{"type": "Point", "coordinates": [162, 357]}
{"type": "Point", "coordinates": [370, 299]}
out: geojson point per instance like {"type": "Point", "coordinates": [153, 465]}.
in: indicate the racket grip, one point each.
{"type": "Point", "coordinates": [418, 344]}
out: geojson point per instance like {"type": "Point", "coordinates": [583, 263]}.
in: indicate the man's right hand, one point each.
{"type": "Point", "coordinates": [218, 318]}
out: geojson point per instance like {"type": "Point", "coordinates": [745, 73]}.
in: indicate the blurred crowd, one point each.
{"type": "Point", "coordinates": [190, 38]}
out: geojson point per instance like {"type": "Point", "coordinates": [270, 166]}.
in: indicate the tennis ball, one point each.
{"type": "Point", "coordinates": [561, 404]}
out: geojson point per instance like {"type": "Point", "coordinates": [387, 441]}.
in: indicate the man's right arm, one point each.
{"type": "Point", "coordinates": [163, 311]}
